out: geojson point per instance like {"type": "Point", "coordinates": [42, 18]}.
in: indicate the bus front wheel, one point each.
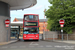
{"type": "Point", "coordinates": [24, 40]}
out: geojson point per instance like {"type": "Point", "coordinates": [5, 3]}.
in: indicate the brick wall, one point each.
{"type": "Point", "coordinates": [43, 27]}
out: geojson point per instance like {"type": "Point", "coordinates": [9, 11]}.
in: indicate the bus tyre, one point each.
{"type": "Point", "coordinates": [37, 40]}
{"type": "Point", "coordinates": [24, 40]}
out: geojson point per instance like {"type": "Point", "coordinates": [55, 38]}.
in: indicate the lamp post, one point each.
{"type": "Point", "coordinates": [44, 26]}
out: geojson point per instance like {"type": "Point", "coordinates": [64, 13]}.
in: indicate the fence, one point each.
{"type": "Point", "coordinates": [54, 36]}
{"type": "Point", "coordinates": [40, 36]}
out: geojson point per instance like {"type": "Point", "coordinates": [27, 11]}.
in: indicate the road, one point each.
{"type": "Point", "coordinates": [38, 45]}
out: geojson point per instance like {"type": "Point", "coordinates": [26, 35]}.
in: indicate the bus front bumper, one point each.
{"type": "Point", "coordinates": [30, 38]}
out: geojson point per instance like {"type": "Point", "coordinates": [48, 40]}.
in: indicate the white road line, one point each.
{"type": "Point", "coordinates": [33, 43]}
{"type": "Point", "coordinates": [22, 46]}
{"type": "Point", "coordinates": [48, 46]}
{"type": "Point", "coordinates": [31, 46]}
{"type": "Point", "coordinates": [40, 46]}
{"type": "Point", "coordinates": [36, 44]}
{"type": "Point", "coordinates": [13, 47]}
{"type": "Point", "coordinates": [5, 47]}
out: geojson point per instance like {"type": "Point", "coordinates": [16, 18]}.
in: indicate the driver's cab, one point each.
{"type": "Point", "coordinates": [31, 30]}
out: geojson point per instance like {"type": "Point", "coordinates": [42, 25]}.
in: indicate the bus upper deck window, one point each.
{"type": "Point", "coordinates": [31, 16]}
{"type": "Point", "coordinates": [26, 17]}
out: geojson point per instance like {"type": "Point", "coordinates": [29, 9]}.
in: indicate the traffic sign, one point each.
{"type": "Point", "coordinates": [7, 25]}
{"type": "Point", "coordinates": [61, 30]}
{"type": "Point", "coordinates": [61, 21]}
{"type": "Point", "coordinates": [62, 25]}
{"type": "Point", "coordinates": [7, 21]}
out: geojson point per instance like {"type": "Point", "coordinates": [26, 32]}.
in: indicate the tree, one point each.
{"type": "Point", "coordinates": [61, 9]}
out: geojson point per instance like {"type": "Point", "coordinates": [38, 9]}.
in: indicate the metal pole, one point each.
{"type": "Point", "coordinates": [44, 24]}
{"type": "Point", "coordinates": [62, 33]}
{"type": "Point", "coordinates": [62, 36]}
{"type": "Point", "coordinates": [44, 35]}
{"type": "Point", "coordinates": [53, 37]}
{"type": "Point", "coordinates": [7, 34]}
{"type": "Point", "coordinates": [67, 37]}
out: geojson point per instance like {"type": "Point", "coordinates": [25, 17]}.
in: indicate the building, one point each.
{"type": "Point", "coordinates": [5, 7]}
{"type": "Point", "coordinates": [42, 25]}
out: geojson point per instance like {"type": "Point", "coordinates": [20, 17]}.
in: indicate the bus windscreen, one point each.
{"type": "Point", "coordinates": [30, 30]}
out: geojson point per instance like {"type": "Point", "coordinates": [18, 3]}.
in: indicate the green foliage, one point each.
{"type": "Point", "coordinates": [61, 9]}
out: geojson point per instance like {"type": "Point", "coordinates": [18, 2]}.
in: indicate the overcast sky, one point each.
{"type": "Point", "coordinates": [37, 9]}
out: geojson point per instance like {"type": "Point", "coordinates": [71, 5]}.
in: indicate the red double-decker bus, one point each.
{"type": "Point", "coordinates": [31, 27]}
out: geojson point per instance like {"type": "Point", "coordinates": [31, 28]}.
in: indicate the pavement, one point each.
{"type": "Point", "coordinates": [70, 42]}
{"type": "Point", "coordinates": [63, 41]}
{"type": "Point", "coordinates": [9, 42]}
{"type": "Point", "coordinates": [13, 39]}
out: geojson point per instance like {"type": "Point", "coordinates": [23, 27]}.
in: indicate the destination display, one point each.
{"type": "Point", "coordinates": [31, 23]}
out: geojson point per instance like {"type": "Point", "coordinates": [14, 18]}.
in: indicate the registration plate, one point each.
{"type": "Point", "coordinates": [30, 38]}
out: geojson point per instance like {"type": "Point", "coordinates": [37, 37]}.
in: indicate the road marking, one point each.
{"type": "Point", "coordinates": [48, 46]}
{"type": "Point", "coordinates": [33, 43]}
{"type": "Point", "coordinates": [31, 46]}
{"type": "Point", "coordinates": [22, 46]}
{"type": "Point", "coordinates": [40, 46]}
{"type": "Point", "coordinates": [13, 47]}
{"type": "Point", "coordinates": [5, 47]}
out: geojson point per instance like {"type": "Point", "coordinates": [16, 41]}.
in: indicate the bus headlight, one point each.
{"type": "Point", "coordinates": [36, 36]}
{"type": "Point", "coordinates": [24, 36]}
